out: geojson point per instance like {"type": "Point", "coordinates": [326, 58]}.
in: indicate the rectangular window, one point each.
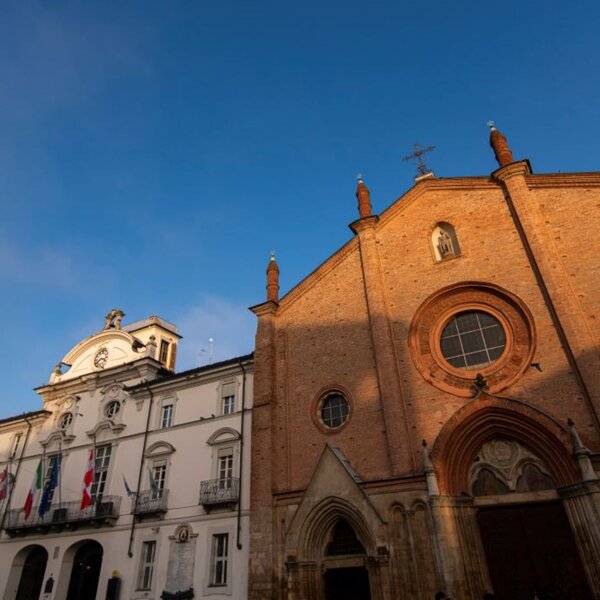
{"type": "Point", "coordinates": [101, 462]}
{"type": "Point", "coordinates": [166, 415]}
{"type": "Point", "coordinates": [164, 352]}
{"type": "Point", "coordinates": [146, 566]}
{"type": "Point", "coordinates": [218, 570]}
{"type": "Point", "coordinates": [159, 472]}
{"type": "Point", "coordinates": [225, 466]}
{"type": "Point", "coordinates": [228, 398]}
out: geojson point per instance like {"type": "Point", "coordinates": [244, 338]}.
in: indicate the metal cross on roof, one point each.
{"type": "Point", "coordinates": [417, 154]}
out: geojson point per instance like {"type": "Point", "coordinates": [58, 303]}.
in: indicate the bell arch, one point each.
{"type": "Point", "coordinates": [491, 417]}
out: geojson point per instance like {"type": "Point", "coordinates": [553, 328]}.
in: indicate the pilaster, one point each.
{"type": "Point", "coordinates": [582, 504]}
{"type": "Point", "coordinates": [399, 448]}
{"type": "Point", "coordinates": [261, 564]}
{"type": "Point", "coordinates": [458, 544]}
{"type": "Point", "coordinates": [566, 310]}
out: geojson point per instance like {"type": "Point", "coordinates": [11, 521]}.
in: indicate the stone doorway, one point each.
{"type": "Point", "coordinates": [347, 584]}
{"type": "Point", "coordinates": [85, 573]}
{"type": "Point", "coordinates": [530, 549]}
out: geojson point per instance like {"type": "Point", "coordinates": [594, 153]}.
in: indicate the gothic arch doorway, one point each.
{"type": "Point", "coordinates": [26, 576]}
{"type": "Point", "coordinates": [85, 572]}
{"type": "Point", "coordinates": [527, 538]}
{"type": "Point", "coordinates": [346, 576]}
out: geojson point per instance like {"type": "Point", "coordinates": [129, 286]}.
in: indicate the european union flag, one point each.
{"type": "Point", "coordinates": [49, 489]}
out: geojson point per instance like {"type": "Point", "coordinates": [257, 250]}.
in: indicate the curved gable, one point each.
{"type": "Point", "coordinates": [99, 352]}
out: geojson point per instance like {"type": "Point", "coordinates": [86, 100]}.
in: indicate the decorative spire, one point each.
{"type": "Point", "coordinates": [500, 146]}
{"type": "Point", "coordinates": [272, 280]}
{"type": "Point", "coordinates": [364, 198]}
{"type": "Point", "coordinates": [582, 454]}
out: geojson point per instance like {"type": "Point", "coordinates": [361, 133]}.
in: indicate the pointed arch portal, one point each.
{"type": "Point", "coordinates": [343, 579]}
{"type": "Point", "coordinates": [513, 460]}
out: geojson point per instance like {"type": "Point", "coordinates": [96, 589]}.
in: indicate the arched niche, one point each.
{"type": "Point", "coordinates": [444, 242]}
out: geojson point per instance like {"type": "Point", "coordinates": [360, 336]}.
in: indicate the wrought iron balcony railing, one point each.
{"type": "Point", "coordinates": [150, 502]}
{"type": "Point", "coordinates": [64, 515]}
{"type": "Point", "coordinates": [219, 491]}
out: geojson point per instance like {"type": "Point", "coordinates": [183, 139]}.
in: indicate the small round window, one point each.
{"type": "Point", "coordinates": [473, 339]}
{"type": "Point", "coordinates": [334, 410]}
{"type": "Point", "coordinates": [112, 408]}
{"type": "Point", "coordinates": [65, 420]}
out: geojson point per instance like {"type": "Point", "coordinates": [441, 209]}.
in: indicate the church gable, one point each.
{"type": "Point", "coordinates": [334, 488]}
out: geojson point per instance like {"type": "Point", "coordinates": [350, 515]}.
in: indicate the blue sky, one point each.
{"type": "Point", "coordinates": [153, 153]}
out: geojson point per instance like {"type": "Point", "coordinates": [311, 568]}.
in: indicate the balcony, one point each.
{"type": "Point", "coordinates": [150, 502]}
{"type": "Point", "coordinates": [65, 515]}
{"type": "Point", "coordinates": [219, 492]}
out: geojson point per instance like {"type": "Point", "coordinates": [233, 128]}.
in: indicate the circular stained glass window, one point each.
{"type": "Point", "coordinates": [65, 420]}
{"type": "Point", "coordinates": [334, 410]}
{"type": "Point", "coordinates": [473, 339]}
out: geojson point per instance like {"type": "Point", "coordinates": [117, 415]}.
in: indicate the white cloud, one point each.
{"type": "Point", "coordinates": [231, 326]}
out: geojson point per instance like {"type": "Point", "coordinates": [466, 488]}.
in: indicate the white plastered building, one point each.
{"type": "Point", "coordinates": [170, 493]}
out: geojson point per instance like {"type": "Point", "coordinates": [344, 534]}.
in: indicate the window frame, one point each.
{"type": "Point", "coordinates": [480, 328]}
{"type": "Point", "coordinates": [144, 564]}
{"type": "Point", "coordinates": [227, 396]}
{"type": "Point", "coordinates": [101, 473]}
{"type": "Point", "coordinates": [317, 405]}
{"type": "Point", "coordinates": [167, 411]}
{"type": "Point", "coordinates": [217, 560]}
{"type": "Point", "coordinates": [435, 311]}
{"type": "Point", "coordinates": [210, 589]}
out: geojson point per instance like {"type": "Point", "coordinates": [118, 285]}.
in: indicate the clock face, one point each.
{"type": "Point", "coordinates": [101, 358]}
{"type": "Point", "coordinates": [67, 403]}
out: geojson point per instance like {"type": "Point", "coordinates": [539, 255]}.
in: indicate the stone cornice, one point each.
{"type": "Point", "coordinates": [545, 180]}
{"type": "Point", "coordinates": [265, 308]}
{"type": "Point", "coordinates": [521, 167]}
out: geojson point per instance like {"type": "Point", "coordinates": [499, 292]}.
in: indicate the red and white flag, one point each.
{"type": "Point", "coordinates": [88, 478]}
{"type": "Point", "coordinates": [36, 486]}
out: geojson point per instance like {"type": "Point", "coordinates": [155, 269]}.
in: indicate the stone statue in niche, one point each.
{"type": "Point", "coordinates": [444, 242]}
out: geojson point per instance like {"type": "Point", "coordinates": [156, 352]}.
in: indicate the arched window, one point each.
{"type": "Point", "coordinates": [444, 242]}
{"type": "Point", "coordinates": [344, 541]}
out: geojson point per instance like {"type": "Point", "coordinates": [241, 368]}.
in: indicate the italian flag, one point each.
{"type": "Point", "coordinates": [86, 488]}
{"type": "Point", "coordinates": [35, 487]}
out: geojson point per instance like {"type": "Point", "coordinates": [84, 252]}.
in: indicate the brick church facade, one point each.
{"type": "Point", "coordinates": [427, 401]}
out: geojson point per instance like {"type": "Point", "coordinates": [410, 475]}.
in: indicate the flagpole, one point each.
{"type": "Point", "coordinates": [43, 479]}
{"type": "Point", "coordinates": [94, 470]}
{"type": "Point", "coordinates": [59, 472]}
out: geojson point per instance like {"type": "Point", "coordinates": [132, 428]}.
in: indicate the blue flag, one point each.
{"type": "Point", "coordinates": [49, 489]}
